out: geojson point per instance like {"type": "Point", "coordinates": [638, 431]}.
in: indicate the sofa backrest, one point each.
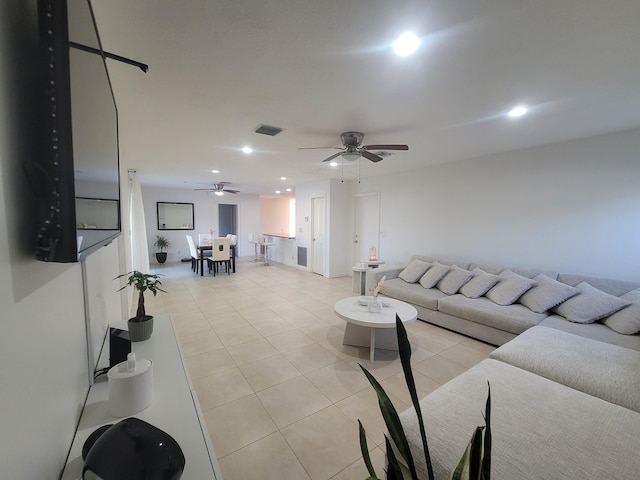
{"type": "Point", "coordinates": [445, 261]}
{"type": "Point", "coordinates": [525, 272]}
{"type": "Point", "coordinates": [610, 286]}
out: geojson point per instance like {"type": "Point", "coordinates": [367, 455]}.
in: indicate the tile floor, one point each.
{"type": "Point", "coordinates": [280, 394]}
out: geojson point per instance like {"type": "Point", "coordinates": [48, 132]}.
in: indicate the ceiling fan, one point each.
{"type": "Point", "coordinates": [218, 188]}
{"type": "Point", "coordinates": [352, 148]}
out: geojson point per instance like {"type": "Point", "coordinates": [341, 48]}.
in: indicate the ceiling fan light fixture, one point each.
{"type": "Point", "coordinates": [219, 193]}
{"type": "Point", "coordinates": [351, 156]}
{"type": "Point", "coordinates": [406, 44]}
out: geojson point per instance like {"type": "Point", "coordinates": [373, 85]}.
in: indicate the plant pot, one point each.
{"type": "Point", "coordinates": [161, 257]}
{"type": "Point", "coordinates": [140, 331]}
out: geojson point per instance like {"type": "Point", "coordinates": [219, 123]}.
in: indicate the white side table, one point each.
{"type": "Point", "coordinates": [374, 263]}
{"type": "Point", "coordinates": [359, 280]}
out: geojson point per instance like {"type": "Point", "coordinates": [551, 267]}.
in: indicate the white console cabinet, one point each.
{"type": "Point", "coordinates": [174, 409]}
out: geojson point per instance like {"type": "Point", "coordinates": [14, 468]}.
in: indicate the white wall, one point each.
{"type": "Point", "coordinates": [205, 219]}
{"type": "Point", "coordinates": [43, 349]}
{"type": "Point", "coordinates": [336, 193]}
{"type": "Point", "coordinates": [572, 207]}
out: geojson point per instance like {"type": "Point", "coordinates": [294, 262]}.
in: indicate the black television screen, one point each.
{"type": "Point", "coordinates": [80, 155]}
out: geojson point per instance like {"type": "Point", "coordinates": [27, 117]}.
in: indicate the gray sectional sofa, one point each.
{"type": "Point", "coordinates": [565, 394]}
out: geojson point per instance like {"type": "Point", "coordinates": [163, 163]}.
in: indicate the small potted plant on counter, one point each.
{"type": "Point", "coordinates": [141, 326]}
{"type": "Point", "coordinates": [161, 243]}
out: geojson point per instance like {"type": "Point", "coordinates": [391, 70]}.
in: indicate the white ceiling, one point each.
{"type": "Point", "coordinates": [219, 69]}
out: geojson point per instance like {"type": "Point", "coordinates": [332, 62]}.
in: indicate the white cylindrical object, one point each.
{"type": "Point", "coordinates": [130, 386]}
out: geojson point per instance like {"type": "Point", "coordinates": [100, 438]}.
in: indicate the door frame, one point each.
{"type": "Point", "coordinates": [354, 250]}
{"type": "Point", "coordinates": [312, 257]}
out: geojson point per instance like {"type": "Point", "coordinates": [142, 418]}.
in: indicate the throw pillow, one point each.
{"type": "Point", "coordinates": [479, 284]}
{"type": "Point", "coordinates": [434, 274]}
{"type": "Point", "coordinates": [455, 278]}
{"type": "Point", "coordinates": [547, 294]}
{"type": "Point", "coordinates": [510, 287]}
{"type": "Point", "coordinates": [627, 320]}
{"type": "Point", "coordinates": [414, 271]}
{"type": "Point", "coordinates": [590, 305]}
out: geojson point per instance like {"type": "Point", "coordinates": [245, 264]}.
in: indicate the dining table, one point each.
{"type": "Point", "coordinates": [209, 248]}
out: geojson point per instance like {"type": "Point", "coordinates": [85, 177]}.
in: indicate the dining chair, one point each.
{"type": "Point", "coordinates": [221, 255]}
{"type": "Point", "coordinates": [194, 253]}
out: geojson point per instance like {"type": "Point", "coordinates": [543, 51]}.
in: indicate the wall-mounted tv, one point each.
{"type": "Point", "coordinates": [80, 136]}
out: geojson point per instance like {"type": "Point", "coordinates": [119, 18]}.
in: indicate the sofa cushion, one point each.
{"type": "Point", "coordinates": [412, 293]}
{"type": "Point", "coordinates": [627, 320]}
{"type": "Point", "coordinates": [612, 287]}
{"type": "Point", "coordinates": [455, 278]}
{"type": "Point", "coordinates": [514, 318]}
{"type": "Point", "coordinates": [479, 284]}
{"type": "Point", "coordinates": [547, 294]}
{"type": "Point", "coordinates": [510, 287]}
{"type": "Point", "coordinates": [595, 331]}
{"type": "Point", "coordinates": [434, 274]}
{"type": "Point", "coordinates": [414, 271]}
{"type": "Point", "coordinates": [597, 368]}
{"type": "Point", "coordinates": [541, 429]}
{"type": "Point", "coordinates": [590, 305]}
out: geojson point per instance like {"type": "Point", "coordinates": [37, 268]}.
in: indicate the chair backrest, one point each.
{"type": "Point", "coordinates": [192, 246]}
{"type": "Point", "coordinates": [233, 239]}
{"type": "Point", "coordinates": [260, 239]}
{"type": "Point", "coordinates": [221, 249]}
{"type": "Point", "coordinates": [204, 239]}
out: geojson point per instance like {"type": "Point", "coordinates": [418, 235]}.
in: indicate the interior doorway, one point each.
{"type": "Point", "coordinates": [227, 219]}
{"type": "Point", "coordinates": [367, 226]}
{"type": "Point", "coordinates": [318, 235]}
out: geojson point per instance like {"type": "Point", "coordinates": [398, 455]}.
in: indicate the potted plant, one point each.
{"type": "Point", "coordinates": [161, 243]}
{"type": "Point", "coordinates": [141, 326]}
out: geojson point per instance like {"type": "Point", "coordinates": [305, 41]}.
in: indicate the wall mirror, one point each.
{"type": "Point", "coordinates": [97, 214]}
{"type": "Point", "coordinates": [175, 216]}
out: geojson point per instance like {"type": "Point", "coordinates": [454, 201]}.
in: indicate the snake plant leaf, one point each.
{"type": "Point", "coordinates": [464, 463]}
{"type": "Point", "coordinates": [365, 452]}
{"type": "Point", "coordinates": [404, 348]}
{"type": "Point", "coordinates": [475, 455]}
{"type": "Point", "coordinates": [392, 421]}
{"type": "Point", "coordinates": [486, 462]}
{"type": "Point", "coordinates": [394, 471]}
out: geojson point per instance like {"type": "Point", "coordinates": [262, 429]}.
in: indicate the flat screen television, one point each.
{"type": "Point", "coordinates": [80, 159]}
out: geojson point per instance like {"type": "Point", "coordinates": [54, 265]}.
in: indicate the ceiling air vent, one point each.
{"type": "Point", "coordinates": [268, 130]}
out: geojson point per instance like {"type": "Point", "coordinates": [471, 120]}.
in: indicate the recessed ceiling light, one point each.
{"type": "Point", "coordinates": [247, 150]}
{"type": "Point", "coordinates": [288, 189]}
{"type": "Point", "coordinates": [406, 44]}
{"type": "Point", "coordinates": [333, 164]}
{"type": "Point", "coordinates": [283, 178]}
{"type": "Point", "coordinates": [277, 191]}
{"type": "Point", "coordinates": [518, 111]}
{"type": "Point", "coordinates": [215, 171]}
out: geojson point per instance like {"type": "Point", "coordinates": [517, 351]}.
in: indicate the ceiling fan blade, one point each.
{"type": "Point", "coordinates": [386, 147]}
{"type": "Point", "coordinates": [370, 156]}
{"type": "Point", "coordinates": [231, 191]}
{"type": "Point", "coordinates": [335, 155]}
{"type": "Point", "coordinates": [317, 148]}
{"type": "Point", "coordinates": [203, 190]}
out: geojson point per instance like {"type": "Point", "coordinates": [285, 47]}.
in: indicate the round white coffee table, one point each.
{"type": "Point", "coordinates": [373, 330]}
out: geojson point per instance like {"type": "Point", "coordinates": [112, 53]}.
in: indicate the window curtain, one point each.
{"type": "Point", "coordinates": [139, 246]}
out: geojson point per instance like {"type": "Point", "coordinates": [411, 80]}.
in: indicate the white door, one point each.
{"type": "Point", "coordinates": [367, 226]}
{"type": "Point", "coordinates": [318, 240]}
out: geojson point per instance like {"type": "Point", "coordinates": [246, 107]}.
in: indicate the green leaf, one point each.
{"type": "Point", "coordinates": [392, 421]}
{"type": "Point", "coordinates": [462, 467]}
{"type": "Point", "coordinates": [475, 455]}
{"type": "Point", "coordinates": [486, 462]}
{"type": "Point", "coordinates": [404, 348]}
{"type": "Point", "coordinates": [394, 472]}
{"type": "Point", "coordinates": [365, 451]}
